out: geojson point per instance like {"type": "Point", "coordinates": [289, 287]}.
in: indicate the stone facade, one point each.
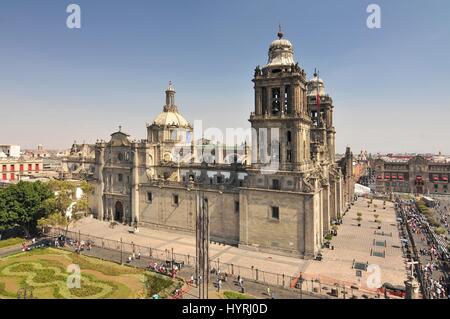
{"type": "Point", "coordinates": [419, 174]}
{"type": "Point", "coordinates": [280, 198]}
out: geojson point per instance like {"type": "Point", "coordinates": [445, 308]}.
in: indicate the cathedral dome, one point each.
{"type": "Point", "coordinates": [316, 85]}
{"type": "Point", "coordinates": [170, 115]}
{"type": "Point", "coordinates": [281, 52]}
{"type": "Point", "coordinates": [171, 118]}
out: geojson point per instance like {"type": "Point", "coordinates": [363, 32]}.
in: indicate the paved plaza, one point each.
{"type": "Point", "coordinates": [351, 243]}
{"type": "Point", "coordinates": [354, 243]}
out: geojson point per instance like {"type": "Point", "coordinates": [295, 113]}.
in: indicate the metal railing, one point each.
{"type": "Point", "coordinates": [307, 283]}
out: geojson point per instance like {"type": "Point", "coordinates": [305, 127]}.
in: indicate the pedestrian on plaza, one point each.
{"type": "Point", "coordinates": [268, 292]}
{"type": "Point", "coordinates": [219, 285]}
{"type": "Point", "coordinates": [129, 259]}
{"type": "Point", "coordinates": [139, 254]}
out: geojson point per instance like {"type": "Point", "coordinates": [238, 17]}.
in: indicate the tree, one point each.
{"type": "Point", "coordinates": [65, 201]}
{"type": "Point", "coordinates": [54, 219]}
{"type": "Point", "coordinates": [22, 204]}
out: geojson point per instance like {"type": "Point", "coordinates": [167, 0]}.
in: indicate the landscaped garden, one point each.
{"type": "Point", "coordinates": [11, 242]}
{"type": "Point", "coordinates": [49, 273]}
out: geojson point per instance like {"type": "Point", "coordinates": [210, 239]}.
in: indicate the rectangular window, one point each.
{"type": "Point", "coordinates": [30, 167]}
{"type": "Point", "coordinates": [4, 168]}
{"type": "Point", "coordinates": [275, 184]}
{"type": "Point", "coordinates": [12, 177]}
{"type": "Point", "coordinates": [275, 212]}
{"type": "Point", "coordinates": [4, 177]}
{"type": "Point", "coordinates": [149, 197]}
{"type": "Point", "coordinates": [21, 167]}
{"type": "Point", "coordinates": [120, 177]}
{"type": "Point", "coordinates": [236, 206]}
{"type": "Point", "coordinates": [36, 167]}
{"type": "Point", "coordinates": [12, 168]}
{"type": "Point", "coordinates": [175, 199]}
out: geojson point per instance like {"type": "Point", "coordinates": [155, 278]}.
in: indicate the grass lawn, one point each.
{"type": "Point", "coordinates": [11, 242]}
{"type": "Point", "coordinates": [236, 295]}
{"type": "Point", "coordinates": [50, 274]}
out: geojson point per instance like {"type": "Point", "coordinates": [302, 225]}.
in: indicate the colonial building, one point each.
{"type": "Point", "coordinates": [280, 196]}
{"type": "Point", "coordinates": [16, 169]}
{"type": "Point", "coordinates": [418, 174]}
{"type": "Point", "coordinates": [79, 162]}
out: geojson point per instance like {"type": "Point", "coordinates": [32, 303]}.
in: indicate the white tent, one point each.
{"type": "Point", "coordinates": [361, 190]}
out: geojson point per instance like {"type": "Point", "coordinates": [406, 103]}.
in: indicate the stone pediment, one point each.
{"type": "Point", "coordinates": [119, 139]}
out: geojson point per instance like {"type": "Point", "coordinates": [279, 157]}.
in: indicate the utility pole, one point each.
{"type": "Point", "coordinates": [202, 245]}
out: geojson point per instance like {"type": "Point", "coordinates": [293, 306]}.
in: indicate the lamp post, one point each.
{"type": "Point", "coordinates": [301, 286]}
{"type": "Point", "coordinates": [121, 251]}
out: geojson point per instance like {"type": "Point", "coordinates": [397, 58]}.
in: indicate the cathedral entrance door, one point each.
{"type": "Point", "coordinates": [118, 216]}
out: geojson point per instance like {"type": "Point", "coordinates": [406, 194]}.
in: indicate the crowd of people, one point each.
{"type": "Point", "coordinates": [433, 259]}
{"type": "Point", "coordinates": [442, 208]}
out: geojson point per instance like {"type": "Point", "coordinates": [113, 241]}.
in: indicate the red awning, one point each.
{"type": "Point", "coordinates": [400, 177]}
{"type": "Point", "coordinates": [387, 177]}
{"type": "Point", "coordinates": [379, 177]}
{"type": "Point", "coordinates": [394, 177]}
{"type": "Point", "coordinates": [418, 177]}
{"type": "Point", "coordinates": [436, 178]}
{"type": "Point", "coordinates": [445, 178]}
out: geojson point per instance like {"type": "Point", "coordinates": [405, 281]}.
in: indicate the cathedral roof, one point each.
{"type": "Point", "coordinates": [316, 83]}
{"type": "Point", "coordinates": [170, 115]}
{"type": "Point", "coordinates": [281, 52]}
{"type": "Point", "coordinates": [171, 118]}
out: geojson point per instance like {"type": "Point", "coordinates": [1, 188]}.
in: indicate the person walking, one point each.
{"type": "Point", "coordinates": [268, 292]}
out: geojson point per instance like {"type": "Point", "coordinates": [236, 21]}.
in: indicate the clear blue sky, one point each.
{"type": "Point", "coordinates": [391, 86]}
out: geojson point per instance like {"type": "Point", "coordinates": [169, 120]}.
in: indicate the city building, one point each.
{"type": "Point", "coordinates": [418, 174]}
{"type": "Point", "coordinates": [11, 151]}
{"type": "Point", "coordinates": [281, 195]}
{"type": "Point", "coordinates": [16, 169]}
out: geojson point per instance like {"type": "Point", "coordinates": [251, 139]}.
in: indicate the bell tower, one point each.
{"type": "Point", "coordinates": [280, 122]}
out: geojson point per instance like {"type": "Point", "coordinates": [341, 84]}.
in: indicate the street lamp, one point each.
{"type": "Point", "coordinates": [121, 251]}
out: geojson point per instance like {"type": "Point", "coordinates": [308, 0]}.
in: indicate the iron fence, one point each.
{"type": "Point", "coordinates": [120, 251]}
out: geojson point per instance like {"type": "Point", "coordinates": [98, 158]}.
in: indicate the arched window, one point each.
{"type": "Point", "coordinates": [289, 136]}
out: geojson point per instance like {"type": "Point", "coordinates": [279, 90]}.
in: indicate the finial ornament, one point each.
{"type": "Point", "coordinates": [120, 128]}
{"type": "Point", "coordinates": [280, 33]}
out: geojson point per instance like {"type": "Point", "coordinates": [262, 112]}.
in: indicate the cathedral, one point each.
{"type": "Point", "coordinates": [280, 194]}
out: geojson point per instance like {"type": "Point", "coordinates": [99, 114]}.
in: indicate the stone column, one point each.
{"type": "Point", "coordinates": [333, 199]}
{"type": "Point", "coordinates": [269, 100]}
{"type": "Point", "coordinates": [297, 96]}
{"type": "Point", "coordinates": [243, 219]}
{"type": "Point", "coordinates": [309, 231]}
{"type": "Point", "coordinates": [325, 208]}
{"type": "Point", "coordinates": [100, 164]}
{"type": "Point", "coordinates": [281, 99]}
{"type": "Point", "coordinates": [135, 185]}
{"type": "Point", "coordinates": [339, 198]}
{"type": "Point", "coordinates": [258, 101]}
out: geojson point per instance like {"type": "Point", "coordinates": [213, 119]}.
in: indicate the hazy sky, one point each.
{"type": "Point", "coordinates": [391, 86]}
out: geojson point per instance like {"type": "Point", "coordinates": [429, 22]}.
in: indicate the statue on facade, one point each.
{"type": "Point", "coordinates": [307, 187]}
{"type": "Point", "coordinates": [257, 70]}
